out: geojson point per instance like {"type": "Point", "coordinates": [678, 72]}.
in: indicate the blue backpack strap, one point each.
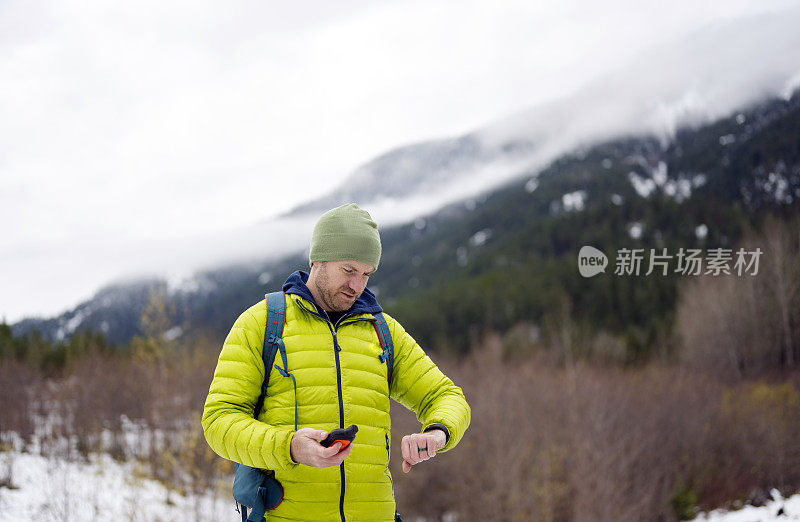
{"type": "Point", "coordinates": [276, 315]}
{"type": "Point", "coordinates": [284, 371]}
{"type": "Point", "coordinates": [386, 342]}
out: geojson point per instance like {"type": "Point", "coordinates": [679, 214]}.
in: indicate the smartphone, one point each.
{"type": "Point", "coordinates": [343, 435]}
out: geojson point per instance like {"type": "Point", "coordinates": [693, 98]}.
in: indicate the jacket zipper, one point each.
{"type": "Point", "coordinates": [336, 349]}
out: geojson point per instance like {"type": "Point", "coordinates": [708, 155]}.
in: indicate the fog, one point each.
{"type": "Point", "coordinates": [159, 139]}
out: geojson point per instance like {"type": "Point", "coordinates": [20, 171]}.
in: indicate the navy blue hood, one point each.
{"type": "Point", "coordinates": [365, 304]}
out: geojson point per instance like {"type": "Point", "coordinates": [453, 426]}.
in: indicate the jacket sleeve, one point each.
{"type": "Point", "coordinates": [419, 385]}
{"type": "Point", "coordinates": [228, 422]}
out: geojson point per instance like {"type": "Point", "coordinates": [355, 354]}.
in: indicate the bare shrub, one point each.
{"type": "Point", "coordinates": [746, 325]}
{"type": "Point", "coordinates": [20, 388]}
{"type": "Point", "coordinates": [512, 462]}
{"type": "Point", "coordinates": [762, 420]}
{"type": "Point", "coordinates": [556, 442]}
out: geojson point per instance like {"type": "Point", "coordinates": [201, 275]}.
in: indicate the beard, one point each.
{"type": "Point", "coordinates": [333, 298]}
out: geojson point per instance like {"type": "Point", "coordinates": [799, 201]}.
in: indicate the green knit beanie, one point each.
{"type": "Point", "coordinates": [346, 233]}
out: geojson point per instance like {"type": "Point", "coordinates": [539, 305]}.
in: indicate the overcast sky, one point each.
{"type": "Point", "coordinates": [138, 123]}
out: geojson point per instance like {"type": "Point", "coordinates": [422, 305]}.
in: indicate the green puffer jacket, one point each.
{"type": "Point", "coordinates": [361, 488]}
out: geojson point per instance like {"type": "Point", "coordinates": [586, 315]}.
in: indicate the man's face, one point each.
{"type": "Point", "coordinates": [340, 283]}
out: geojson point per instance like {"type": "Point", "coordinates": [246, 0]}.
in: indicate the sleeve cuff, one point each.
{"type": "Point", "coordinates": [290, 461]}
{"type": "Point", "coordinates": [439, 427]}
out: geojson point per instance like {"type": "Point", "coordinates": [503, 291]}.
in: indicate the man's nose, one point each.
{"type": "Point", "coordinates": [356, 284]}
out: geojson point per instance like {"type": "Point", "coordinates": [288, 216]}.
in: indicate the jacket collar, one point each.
{"type": "Point", "coordinates": [365, 304]}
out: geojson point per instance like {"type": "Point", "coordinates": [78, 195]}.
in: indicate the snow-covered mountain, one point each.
{"type": "Point", "coordinates": [420, 168]}
{"type": "Point", "coordinates": [746, 161]}
{"type": "Point", "coordinates": [691, 81]}
{"type": "Point", "coordinates": [695, 80]}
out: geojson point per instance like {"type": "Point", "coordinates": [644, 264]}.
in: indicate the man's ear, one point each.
{"type": "Point", "coordinates": [316, 266]}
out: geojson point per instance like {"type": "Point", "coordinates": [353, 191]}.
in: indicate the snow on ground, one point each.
{"type": "Point", "coordinates": [768, 513]}
{"type": "Point", "coordinates": [103, 489]}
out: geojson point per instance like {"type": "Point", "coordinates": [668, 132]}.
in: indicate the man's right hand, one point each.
{"type": "Point", "coordinates": [306, 449]}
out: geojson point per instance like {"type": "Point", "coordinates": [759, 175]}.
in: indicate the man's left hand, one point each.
{"type": "Point", "coordinates": [421, 446]}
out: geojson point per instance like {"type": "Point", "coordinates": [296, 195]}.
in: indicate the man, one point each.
{"type": "Point", "coordinates": [337, 379]}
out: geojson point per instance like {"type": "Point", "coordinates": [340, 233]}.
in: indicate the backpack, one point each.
{"type": "Point", "coordinates": [258, 489]}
